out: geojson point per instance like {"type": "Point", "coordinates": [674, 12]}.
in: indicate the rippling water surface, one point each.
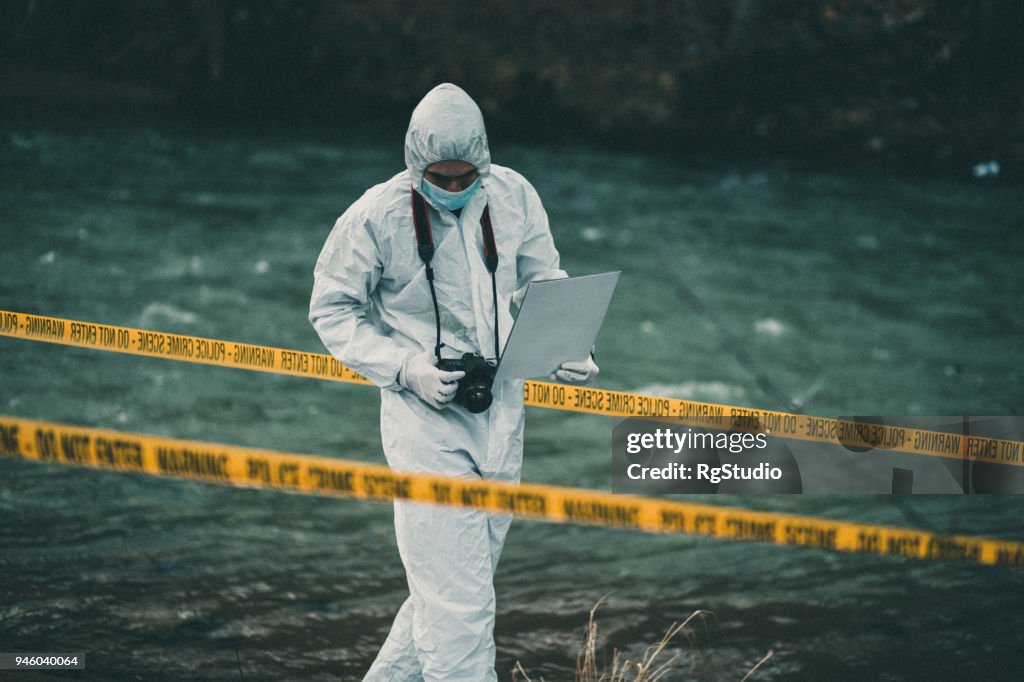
{"type": "Point", "coordinates": [749, 284]}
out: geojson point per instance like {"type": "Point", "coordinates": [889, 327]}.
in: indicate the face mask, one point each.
{"type": "Point", "coordinates": [453, 201]}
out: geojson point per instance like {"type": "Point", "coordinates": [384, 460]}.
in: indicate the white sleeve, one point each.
{"type": "Point", "coordinates": [537, 258]}
{"type": "Point", "coordinates": [346, 273]}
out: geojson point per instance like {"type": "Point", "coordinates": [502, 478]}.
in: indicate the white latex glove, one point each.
{"type": "Point", "coordinates": [434, 387]}
{"type": "Point", "coordinates": [577, 373]}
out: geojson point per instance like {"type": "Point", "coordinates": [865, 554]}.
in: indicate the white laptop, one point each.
{"type": "Point", "coordinates": [558, 321]}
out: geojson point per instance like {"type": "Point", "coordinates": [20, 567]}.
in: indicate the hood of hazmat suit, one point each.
{"type": "Point", "coordinates": [372, 308]}
{"type": "Point", "coordinates": [446, 125]}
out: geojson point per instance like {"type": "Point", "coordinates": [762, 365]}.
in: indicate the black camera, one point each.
{"type": "Point", "coordinates": [474, 389]}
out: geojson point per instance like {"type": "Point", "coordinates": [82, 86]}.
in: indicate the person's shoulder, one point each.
{"type": "Point", "coordinates": [381, 200]}
{"type": "Point", "coordinates": [509, 176]}
{"type": "Point", "coordinates": [379, 197]}
{"type": "Point", "coordinates": [511, 183]}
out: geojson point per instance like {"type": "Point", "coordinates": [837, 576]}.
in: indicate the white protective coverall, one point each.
{"type": "Point", "coordinates": [444, 630]}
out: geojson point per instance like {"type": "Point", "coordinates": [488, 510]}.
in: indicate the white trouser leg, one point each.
{"type": "Point", "coordinates": [397, 661]}
{"type": "Point", "coordinates": [450, 554]}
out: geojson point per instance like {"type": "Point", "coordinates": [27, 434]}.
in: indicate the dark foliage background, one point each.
{"type": "Point", "coordinates": [918, 83]}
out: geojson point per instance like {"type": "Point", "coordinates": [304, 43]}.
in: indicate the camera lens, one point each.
{"type": "Point", "coordinates": [476, 398]}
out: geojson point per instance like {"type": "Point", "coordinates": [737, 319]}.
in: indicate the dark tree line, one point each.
{"type": "Point", "coordinates": [923, 82]}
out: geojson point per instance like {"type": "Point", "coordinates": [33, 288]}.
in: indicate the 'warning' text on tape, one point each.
{"type": "Point", "coordinates": [538, 393]}
{"type": "Point", "coordinates": [213, 462]}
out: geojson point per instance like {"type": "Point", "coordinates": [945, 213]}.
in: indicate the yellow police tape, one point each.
{"type": "Point", "coordinates": [214, 462]}
{"type": "Point", "coordinates": [538, 393]}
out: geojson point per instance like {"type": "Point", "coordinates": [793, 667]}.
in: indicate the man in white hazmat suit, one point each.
{"type": "Point", "coordinates": [371, 261]}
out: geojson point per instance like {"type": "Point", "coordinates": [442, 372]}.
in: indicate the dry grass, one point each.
{"type": "Point", "coordinates": [649, 669]}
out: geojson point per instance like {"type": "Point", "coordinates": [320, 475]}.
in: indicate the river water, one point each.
{"type": "Point", "coordinates": [747, 283]}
